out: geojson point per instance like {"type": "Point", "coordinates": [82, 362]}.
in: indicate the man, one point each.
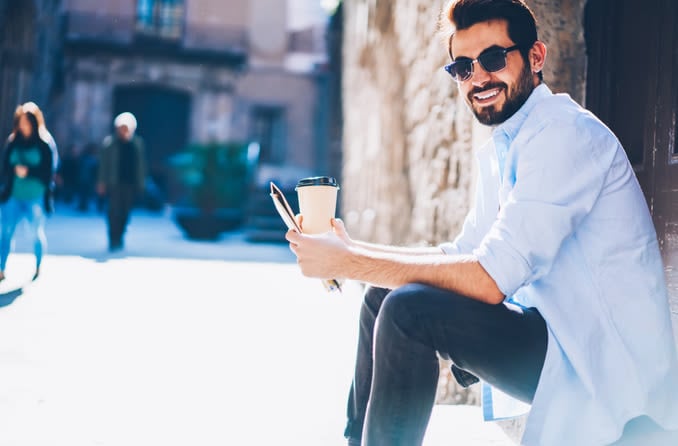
{"type": "Point", "coordinates": [554, 291]}
{"type": "Point", "coordinates": [122, 172]}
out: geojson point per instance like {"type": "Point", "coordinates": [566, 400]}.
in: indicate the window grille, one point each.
{"type": "Point", "coordinates": [160, 18]}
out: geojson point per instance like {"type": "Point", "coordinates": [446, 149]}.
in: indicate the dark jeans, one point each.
{"type": "Point", "coordinates": [120, 202]}
{"type": "Point", "coordinates": [397, 367]}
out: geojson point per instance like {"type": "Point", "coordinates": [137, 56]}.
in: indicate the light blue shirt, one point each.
{"type": "Point", "coordinates": [561, 224]}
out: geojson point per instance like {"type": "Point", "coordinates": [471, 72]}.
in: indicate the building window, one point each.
{"type": "Point", "coordinates": [160, 18]}
{"type": "Point", "coordinates": [268, 129]}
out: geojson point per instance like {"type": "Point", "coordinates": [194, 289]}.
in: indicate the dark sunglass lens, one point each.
{"type": "Point", "coordinates": [493, 60]}
{"type": "Point", "coordinates": [462, 69]}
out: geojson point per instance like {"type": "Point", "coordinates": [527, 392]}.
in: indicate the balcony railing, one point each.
{"type": "Point", "coordinates": [106, 30]}
{"type": "Point", "coordinates": [211, 37]}
{"type": "Point", "coordinates": [90, 26]}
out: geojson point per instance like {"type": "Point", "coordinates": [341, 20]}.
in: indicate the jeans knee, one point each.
{"type": "Point", "coordinates": [400, 306]}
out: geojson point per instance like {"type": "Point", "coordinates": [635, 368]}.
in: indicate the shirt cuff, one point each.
{"type": "Point", "coordinates": [509, 271]}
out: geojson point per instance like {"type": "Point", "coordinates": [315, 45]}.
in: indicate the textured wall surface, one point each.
{"type": "Point", "coordinates": [29, 56]}
{"type": "Point", "coordinates": [408, 167]}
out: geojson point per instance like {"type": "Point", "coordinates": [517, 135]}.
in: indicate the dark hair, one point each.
{"type": "Point", "coordinates": [522, 25]}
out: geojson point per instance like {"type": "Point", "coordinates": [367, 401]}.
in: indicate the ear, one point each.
{"type": "Point", "coordinates": [537, 56]}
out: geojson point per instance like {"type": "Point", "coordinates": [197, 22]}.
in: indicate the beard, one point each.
{"type": "Point", "coordinates": [515, 98]}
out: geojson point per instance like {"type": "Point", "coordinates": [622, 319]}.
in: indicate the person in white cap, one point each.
{"type": "Point", "coordinates": [122, 173]}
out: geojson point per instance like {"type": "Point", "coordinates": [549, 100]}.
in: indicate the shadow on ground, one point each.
{"type": "Point", "coordinates": [8, 297]}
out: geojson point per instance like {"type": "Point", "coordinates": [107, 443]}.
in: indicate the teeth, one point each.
{"type": "Point", "coordinates": [487, 95]}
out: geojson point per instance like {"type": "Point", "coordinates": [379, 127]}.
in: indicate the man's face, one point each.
{"type": "Point", "coordinates": [493, 97]}
{"type": "Point", "coordinates": [124, 133]}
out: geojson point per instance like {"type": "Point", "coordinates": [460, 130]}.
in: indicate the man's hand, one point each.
{"type": "Point", "coordinates": [21, 171]}
{"type": "Point", "coordinates": [101, 189]}
{"type": "Point", "coordinates": [340, 230]}
{"type": "Point", "coordinates": [319, 255]}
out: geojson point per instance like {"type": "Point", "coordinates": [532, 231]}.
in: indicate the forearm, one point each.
{"type": "Point", "coordinates": [334, 255]}
{"type": "Point", "coordinates": [401, 250]}
{"type": "Point", "coordinates": [462, 274]}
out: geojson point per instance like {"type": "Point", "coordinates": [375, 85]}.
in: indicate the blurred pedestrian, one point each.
{"type": "Point", "coordinates": [28, 171]}
{"type": "Point", "coordinates": [67, 175]}
{"type": "Point", "coordinates": [122, 172]}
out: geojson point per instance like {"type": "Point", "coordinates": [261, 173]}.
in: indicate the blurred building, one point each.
{"type": "Point", "coordinates": [192, 71]}
{"type": "Point", "coordinates": [29, 55]}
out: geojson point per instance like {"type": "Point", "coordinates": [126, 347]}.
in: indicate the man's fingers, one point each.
{"type": "Point", "coordinates": [338, 223]}
{"type": "Point", "coordinates": [292, 236]}
{"type": "Point", "coordinates": [300, 220]}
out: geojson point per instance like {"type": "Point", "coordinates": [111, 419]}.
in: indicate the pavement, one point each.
{"type": "Point", "coordinates": [174, 342]}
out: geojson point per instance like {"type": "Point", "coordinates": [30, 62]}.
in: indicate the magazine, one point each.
{"type": "Point", "coordinates": [288, 216]}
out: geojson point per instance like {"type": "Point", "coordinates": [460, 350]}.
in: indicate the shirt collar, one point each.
{"type": "Point", "coordinates": [512, 125]}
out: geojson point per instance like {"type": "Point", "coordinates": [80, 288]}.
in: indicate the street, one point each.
{"type": "Point", "coordinates": [173, 342]}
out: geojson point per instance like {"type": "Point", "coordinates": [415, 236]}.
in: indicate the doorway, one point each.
{"type": "Point", "coordinates": [632, 85]}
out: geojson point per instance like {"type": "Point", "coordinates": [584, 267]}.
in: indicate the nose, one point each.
{"type": "Point", "coordinates": [479, 77]}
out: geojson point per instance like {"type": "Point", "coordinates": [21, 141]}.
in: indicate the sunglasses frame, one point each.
{"type": "Point", "coordinates": [449, 67]}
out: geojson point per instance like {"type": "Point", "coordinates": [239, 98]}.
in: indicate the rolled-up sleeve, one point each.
{"type": "Point", "coordinates": [559, 174]}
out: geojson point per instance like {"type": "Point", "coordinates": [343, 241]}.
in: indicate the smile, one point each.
{"type": "Point", "coordinates": [484, 96]}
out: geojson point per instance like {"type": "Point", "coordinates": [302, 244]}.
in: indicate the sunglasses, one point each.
{"type": "Point", "coordinates": [493, 59]}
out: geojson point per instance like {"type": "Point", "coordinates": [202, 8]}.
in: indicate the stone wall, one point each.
{"type": "Point", "coordinates": [560, 26]}
{"type": "Point", "coordinates": [407, 157]}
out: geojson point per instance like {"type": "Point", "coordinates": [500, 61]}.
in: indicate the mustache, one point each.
{"type": "Point", "coordinates": [485, 88]}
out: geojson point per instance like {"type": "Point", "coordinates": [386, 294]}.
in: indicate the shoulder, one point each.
{"type": "Point", "coordinates": [46, 145]}
{"type": "Point", "coordinates": [560, 127]}
{"type": "Point", "coordinates": [47, 137]}
{"type": "Point", "coordinates": [556, 108]}
{"type": "Point", "coordinates": [107, 142]}
{"type": "Point", "coordinates": [561, 115]}
{"type": "Point", "coordinates": [10, 143]}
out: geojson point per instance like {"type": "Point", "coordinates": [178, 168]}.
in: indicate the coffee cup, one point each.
{"type": "Point", "coordinates": [317, 203]}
